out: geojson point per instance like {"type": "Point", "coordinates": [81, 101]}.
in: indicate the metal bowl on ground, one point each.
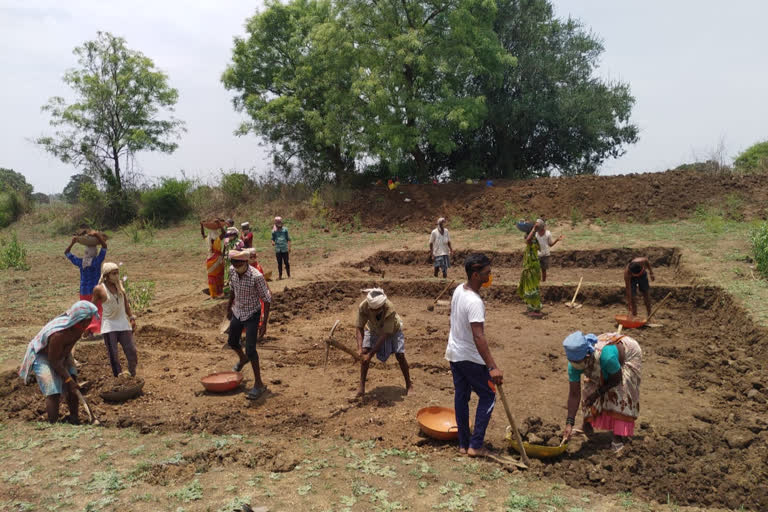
{"type": "Point", "coordinates": [125, 393]}
{"type": "Point", "coordinates": [630, 322]}
{"type": "Point", "coordinates": [222, 382]}
{"type": "Point", "coordinates": [536, 450]}
{"type": "Point", "coordinates": [438, 422]}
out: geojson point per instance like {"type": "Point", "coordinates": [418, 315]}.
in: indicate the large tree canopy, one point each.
{"type": "Point", "coordinates": [420, 87]}
{"type": "Point", "coordinates": [119, 98]}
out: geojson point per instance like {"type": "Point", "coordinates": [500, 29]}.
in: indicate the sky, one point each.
{"type": "Point", "coordinates": [697, 68]}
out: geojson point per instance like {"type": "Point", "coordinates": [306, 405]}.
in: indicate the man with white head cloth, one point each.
{"type": "Point", "coordinates": [440, 249]}
{"type": "Point", "coordinates": [379, 330]}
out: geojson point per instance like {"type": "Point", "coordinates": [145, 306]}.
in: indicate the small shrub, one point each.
{"type": "Point", "coordinates": [576, 216]}
{"type": "Point", "coordinates": [13, 254]}
{"type": "Point", "coordinates": [712, 218]}
{"type": "Point", "coordinates": [192, 492]}
{"type": "Point", "coordinates": [753, 159]}
{"type": "Point", "coordinates": [140, 293]}
{"type": "Point", "coordinates": [759, 239]}
{"type": "Point", "coordinates": [167, 202]}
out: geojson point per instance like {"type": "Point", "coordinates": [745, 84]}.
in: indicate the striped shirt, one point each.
{"type": "Point", "coordinates": [249, 289]}
{"type": "Point", "coordinates": [89, 276]}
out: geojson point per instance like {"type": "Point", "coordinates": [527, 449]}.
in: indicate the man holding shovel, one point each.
{"type": "Point", "coordinates": [249, 289]}
{"type": "Point", "coordinates": [383, 336]}
{"type": "Point", "coordinates": [472, 364]}
{"type": "Point", "coordinates": [49, 357]}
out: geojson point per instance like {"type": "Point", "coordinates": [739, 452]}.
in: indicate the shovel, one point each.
{"type": "Point", "coordinates": [513, 424]}
{"type": "Point", "coordinates": [431, 307]}
{"type": "Point", "coordinates": [573, 304]}
{"type": "Point", "coordinates": [91, 417]}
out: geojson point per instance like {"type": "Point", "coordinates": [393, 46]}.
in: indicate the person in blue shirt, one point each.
{"type": "Point", "coordinates": [90, 272]}
{"type": "Point", "coordinates": [282, 242]}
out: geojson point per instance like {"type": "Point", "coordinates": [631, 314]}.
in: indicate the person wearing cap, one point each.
{"type": "Point", "coordinates": [379, 331]}
{"type": "Point", "coordinates": [611, 363]}
{"type": "Point", "coordinates": [232, 235]}
{"type": "Point", "coordinates": [49, 357]}
{"type": "Point", "coordinates": [281, 240]}
{"type": "Point", "coordinates": [472, 365]}
{"type": "Point", "coordinates": [440, 250]}
{"type": "Point", "coordinates": [248, 290]}
{"type": "Point", "coordinates": [246, 235]}
{"type": "Point", "coordinates": [544, 237]}
{"type": "Point", "coordinates": [90, 272]}
{"type": "Point", "coordinates": [636, 277]}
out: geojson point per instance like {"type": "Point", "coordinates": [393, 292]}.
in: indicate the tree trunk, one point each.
{"type": "Point", "coordinates": [118, 179]}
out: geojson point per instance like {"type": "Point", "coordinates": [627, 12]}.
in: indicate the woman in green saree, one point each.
{"type": "Point", "coordinates": [528, 289]}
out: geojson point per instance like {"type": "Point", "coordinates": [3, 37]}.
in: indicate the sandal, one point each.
{"type": "Point", "coordinates": [255, 393]}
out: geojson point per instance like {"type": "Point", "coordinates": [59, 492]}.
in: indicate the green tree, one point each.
{"type": "Point", "coordinates": [12, 180]}
{"type": "Point", "coordinates": [71, 192]}
{"type": "Point", "coordinates": [550, 112]}
{"type": "Point", "coordinates": [120, 97]}
{"type": "Point", "coordinates": [291, 77]}
{"type": "Point", "coordinates": [754, 158]}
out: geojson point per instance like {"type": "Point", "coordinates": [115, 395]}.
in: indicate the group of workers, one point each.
{"type": "Point", "coordinates": [610, 362]}
{"type": "Point", "coordinates": [227, 237]}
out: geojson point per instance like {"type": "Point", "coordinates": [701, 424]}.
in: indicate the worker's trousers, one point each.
{"type": "Point", "coordinates": [468, 377]}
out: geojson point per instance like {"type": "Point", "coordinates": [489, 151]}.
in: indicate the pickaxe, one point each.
{"type": "Point", "coordinates": [330, 342]}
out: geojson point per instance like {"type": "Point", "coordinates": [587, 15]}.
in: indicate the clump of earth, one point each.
{"type": "Point", "coordinates": [123, 383]}
{"type": "Point", "coordinates": [535, 431]}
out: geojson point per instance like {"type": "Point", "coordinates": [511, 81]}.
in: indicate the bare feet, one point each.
{"type": "Point", "coordinates": [409, 389]}
{"type": "Point", "coordinates": [359, 397]}
{"type": "Point", "coordinates": [477, 452]}
{"type": "Point", "coordinates": [462, 451]}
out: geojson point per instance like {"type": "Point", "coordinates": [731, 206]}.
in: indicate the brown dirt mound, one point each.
{"type": "Point", "coordinates": [614, 258]}
{"type": "Point", "coordinates": [123, 383]}
{"type": "Point", "coordinates": [653, 196]}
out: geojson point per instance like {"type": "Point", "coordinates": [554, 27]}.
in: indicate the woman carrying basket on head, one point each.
{"type": "Point", "coordinates": [214, 263]}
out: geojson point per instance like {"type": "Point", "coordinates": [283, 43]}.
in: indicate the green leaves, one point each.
{"type": "Point", "coordinates": [476, 87]}
{"type": "Point", "coordinates": [119, 99]}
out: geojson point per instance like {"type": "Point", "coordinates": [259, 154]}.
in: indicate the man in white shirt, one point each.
{"type": "Point", "coordinates": [472, 365]}
{"type": "Point", "coordinates": [440, 249]}
{"type": "Point", "coordinates": [544, 237]}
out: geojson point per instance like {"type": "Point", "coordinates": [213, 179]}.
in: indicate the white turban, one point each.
{"type": "Point", "coordinates": [375, 298]}
{"type": "Point", "coordinates": [440, 220]}
{"type": "Point", "coordinates": [245, 225]}
{"type": "Point", "coordinates": [106, 269]}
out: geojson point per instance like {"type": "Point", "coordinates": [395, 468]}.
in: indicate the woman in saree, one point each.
{"type": "Point", "coordinates": [611, 365]}
{"type": "Point", "coordinates": [528, 289]}
{"type": "Point", "coordinates": [214, 263]}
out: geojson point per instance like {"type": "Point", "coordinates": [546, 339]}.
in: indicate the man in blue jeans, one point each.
{"type": "Point", "coordinates": [248, 289]}
{"type": "Point", "coordinates": [472, 364]}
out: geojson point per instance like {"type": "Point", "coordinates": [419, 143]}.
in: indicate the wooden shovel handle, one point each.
{"type": "Point", "coordinates": [443, 291]}
{"type": "Point", "coordinates": [577, 291]}
{"type": "Point", "coordinates": [658, 305]}
{"type": "Point", "coordinates": [344, 348]}
{"type": "Point", "coordinates": [513, 423]}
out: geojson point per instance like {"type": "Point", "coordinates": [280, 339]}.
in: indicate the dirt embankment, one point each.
{"type": "Point", "coordinates": [609, 258]}
{"type": "Point", "coordinates": [626, 198]}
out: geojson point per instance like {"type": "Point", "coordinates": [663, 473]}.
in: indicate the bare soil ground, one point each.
{"type": "Point", "coordinates": [625, 198]}
{"type": "Point", "coordinates": [702, 439]}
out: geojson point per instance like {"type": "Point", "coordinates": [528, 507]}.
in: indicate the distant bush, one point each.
{"type": "Point", "coordinates": [166, 203]}
{"type": "Point", "coordinates": [11, 206]}
{"type": "Point", "coordinates": [41, 198]}
{"type": "Point", "coordinates": [13, 254]}
{"type": "Point", "coordinates": [753, 159]}
{"type": "Point", "coordinates": [236, 187]}
{"type": "Point", "coordinates": [759, 239]}
{"type": "Point", "coordinates": [71, 192]}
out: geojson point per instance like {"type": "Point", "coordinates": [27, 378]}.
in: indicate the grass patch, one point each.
{"type": "Point", "coordinates": [191, 492]}
{"type": "Point", "coordinates": [13, 254]}
{"type": "Point", "coordinates": [759, 239]}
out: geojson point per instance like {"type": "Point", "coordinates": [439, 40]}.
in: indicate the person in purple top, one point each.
{"type": "Point", "coordinates": [90, 272]}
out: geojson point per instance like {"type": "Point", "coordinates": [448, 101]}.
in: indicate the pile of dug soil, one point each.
{"type": "Point", "coordinates": [534, 431]}
{"type": "Point", "coordinates": [123, 383]}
